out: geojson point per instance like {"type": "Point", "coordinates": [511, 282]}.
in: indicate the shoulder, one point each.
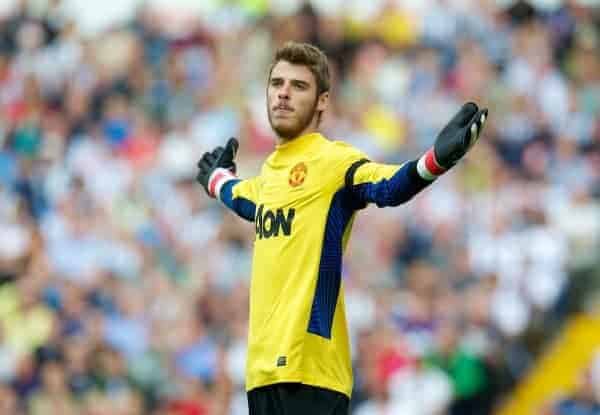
{"type": "Point", "coordinates": [339, 160]}
{"type": "Point", "coordinates": [270, 159]}
{"type": "Point", "coordinates": [344, 147]}
{"type": "Point", "coordinates": [344, 152]}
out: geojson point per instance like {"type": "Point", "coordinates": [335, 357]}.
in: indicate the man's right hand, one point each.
{"type": "Point", "coordinates": [217, 167]}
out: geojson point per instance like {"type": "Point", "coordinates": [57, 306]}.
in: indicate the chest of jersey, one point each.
{"type": "Point", "coordinates": [293, 195]}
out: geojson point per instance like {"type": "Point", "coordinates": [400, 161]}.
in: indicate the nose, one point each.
{"type": "Point", "coordinates": [284, 92]}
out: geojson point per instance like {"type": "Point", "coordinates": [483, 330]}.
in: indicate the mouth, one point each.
{"type": "Point", "coordinates": [282, 109]}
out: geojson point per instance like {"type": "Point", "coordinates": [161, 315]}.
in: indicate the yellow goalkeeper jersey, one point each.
{"type": "Point", "coordinates": [303, 204]}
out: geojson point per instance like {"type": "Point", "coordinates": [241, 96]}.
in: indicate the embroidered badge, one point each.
{"type": "Point", "coordinates": [297, 175]}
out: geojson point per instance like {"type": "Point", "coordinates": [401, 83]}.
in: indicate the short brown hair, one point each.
{"type": "Point", "coordinates": [307, 55]}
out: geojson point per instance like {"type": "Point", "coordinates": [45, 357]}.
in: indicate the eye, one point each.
{"type": "Point", "coordinates": [300, 85]}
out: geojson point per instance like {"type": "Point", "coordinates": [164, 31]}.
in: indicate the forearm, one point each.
{"type": "Point", "coordinates": [243, 207]}
{"type": "Point", "coordinates": [394, 190]}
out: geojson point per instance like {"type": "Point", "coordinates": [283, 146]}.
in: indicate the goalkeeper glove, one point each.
{"type": "Point", "coordinates": [217, 167]}
{"type": "Point", "coordinates": [453, 142]}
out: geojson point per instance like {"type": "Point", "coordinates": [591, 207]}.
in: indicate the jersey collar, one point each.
{"type": "Point", "coordinates": [299, 144]}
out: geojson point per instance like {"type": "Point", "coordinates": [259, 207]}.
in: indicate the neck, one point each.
{"type": "Point", "coordinates": [308, 130]}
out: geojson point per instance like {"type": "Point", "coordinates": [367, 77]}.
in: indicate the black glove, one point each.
{"type": "Point", "coordinates": [457, 137]}
{"type": "Point", "coordinates": [210, 163]}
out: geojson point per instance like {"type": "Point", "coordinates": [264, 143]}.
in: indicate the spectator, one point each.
{"type": "Point", "coordinates": [122, 291]}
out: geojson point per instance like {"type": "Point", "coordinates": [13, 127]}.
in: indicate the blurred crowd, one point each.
{"type": "Point", "coordinates": [124, 289]}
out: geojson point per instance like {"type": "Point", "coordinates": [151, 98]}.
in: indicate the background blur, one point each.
{"type": "Point", "coordinates": [124, 289]}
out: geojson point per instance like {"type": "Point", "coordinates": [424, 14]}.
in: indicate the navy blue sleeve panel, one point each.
{"type": "Point", "coordinates": [383, 185]}
{"type": "Point", "coordinates": [330, 276]}
{"type": "Point", "coordinates": [245, 208]}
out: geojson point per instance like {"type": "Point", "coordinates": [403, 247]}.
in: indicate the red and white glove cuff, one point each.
{"type": "Point", "coordinates": [217, 179]}
{"type": "Point", "coordinates": [428, 167]}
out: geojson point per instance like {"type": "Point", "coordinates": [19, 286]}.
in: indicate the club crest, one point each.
{"type": "Point", "coordinates": [297, 175]}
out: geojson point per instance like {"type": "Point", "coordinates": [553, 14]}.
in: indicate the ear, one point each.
{"type": "Point", "coordinates": [323, 101]}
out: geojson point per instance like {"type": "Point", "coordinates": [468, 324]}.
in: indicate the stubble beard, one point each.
{"type": "Point", "coordinates": [293, 131]}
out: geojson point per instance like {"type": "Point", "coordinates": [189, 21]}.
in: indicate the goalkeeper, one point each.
{"type": "Point", "coordinates": [303, 204]}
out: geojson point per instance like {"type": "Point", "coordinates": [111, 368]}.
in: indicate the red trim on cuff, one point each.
{"type": "Point", "coordinates": [431, 163]}
{"type": "Point", "coordinates": [214, 180]}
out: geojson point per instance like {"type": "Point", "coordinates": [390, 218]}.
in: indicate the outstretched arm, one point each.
{"type": "Point", "coordinates": [389, 185]}
{"type": "Point", "coordinates": [383, 184]}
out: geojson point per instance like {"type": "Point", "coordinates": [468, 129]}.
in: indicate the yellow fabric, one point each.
{"type": "Point", "coordinates": [9, 300]}
{"type": "Point", "coordinates": [387, 129]}
{"type": "Point", "coordinates": [24, 330]}
{"type": "Point", "coordinates": [397, 29]}
{"type": "Point", "coordinates": [304, 175]}
{"type": "Point", "coordinates": [374, 172]}
{"type": "Point", "coordinates": [566, 359]}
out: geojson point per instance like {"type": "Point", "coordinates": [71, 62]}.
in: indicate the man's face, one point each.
{"type": "Point", "coordinates": [292, 100]}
